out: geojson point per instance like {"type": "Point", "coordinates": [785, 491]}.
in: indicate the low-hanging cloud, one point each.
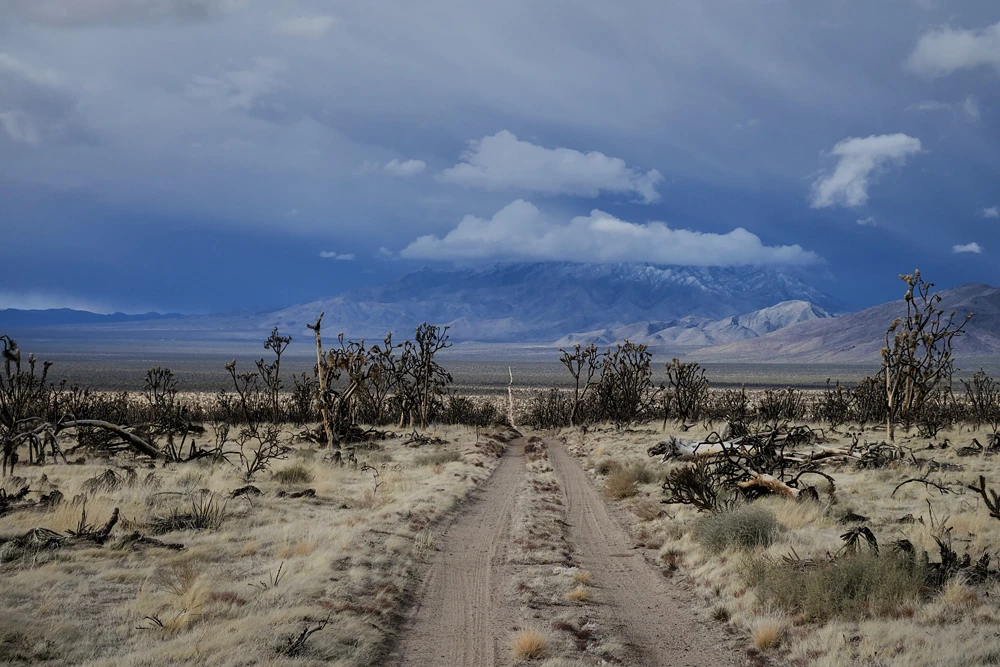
{"type": "Point", "coordinates": [503, 162]}
{"type": "Point", "coordinates": [968, 247]}
{"type": "Point", "coordinates": [947, 50]}
{"type": "Point", "coordinates": [520, 231]}
{"type": "Point", "coordinates": [860, 160]}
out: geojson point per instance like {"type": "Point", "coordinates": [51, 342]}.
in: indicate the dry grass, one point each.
{"type": "Point", "coordinates": [578, 594]}
{"type": "Point", "coordinates": [529, 645]}
{"type": "Point", "coordinates": [223, 601]}
{"type": "Point", "coordinates": [766, 635]}
{"type": "Point", "coordinates": [858, 609]}
{"type": "Point", "coordinates": [583, 577]}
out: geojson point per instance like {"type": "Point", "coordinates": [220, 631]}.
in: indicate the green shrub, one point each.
{"type": "Point", "coordinates": [745, 527]}
{"type": "Point", "coordinates": [293, 474]}
{"type": "Point", "coordinates": [439, 457]}
{"type": "Point", "coordinates": [853, 586]}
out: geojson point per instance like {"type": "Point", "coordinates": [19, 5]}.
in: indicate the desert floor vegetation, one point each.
{"type": "Point", "coordinates": [890, 563]}
{"type": "Point", "coordinates": [310, 564]}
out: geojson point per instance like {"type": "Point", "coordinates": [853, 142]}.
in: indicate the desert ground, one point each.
{"type": "Point", "coordinates": [791, 533]}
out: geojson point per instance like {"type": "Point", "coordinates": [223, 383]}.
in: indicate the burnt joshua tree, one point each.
{"type": "Point", "coordinates": [583, 364]}
{"type": "Point", "coordinates": [917, 360]}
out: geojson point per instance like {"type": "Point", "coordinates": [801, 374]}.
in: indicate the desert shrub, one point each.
{"type": "Point", "coordinates": [688, 390]}
{"type": "Point", "coordinates": [605, 466]}
{"type": "Point", "coordinates": [777, 405]}
{"type": "Point", "coordinates": [547, 409]}
{"type": "Point", "coordinates": [483, 412]}
{"type": "Point", "coordinates": [293, 474]}
{"type": "Point", "coordinates": [852, 586]}
{"type": "Point", "coordinates": [834, 406]}
{"type": "Point", "coordinates": [746, 527]}
{"type": "Point", "coordinates": [439, 457]}
{"type": "Point", "coordinates": [729, 405]}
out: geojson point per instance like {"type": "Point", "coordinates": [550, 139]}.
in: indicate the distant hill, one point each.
{"type": "Point", "coordinates": [859, 337]}
{"type": "Point", "coordinates": [543, 302]}
{"type": "Point", "coordinates": [695, 332]}
{"type": "Point", "coordinates": [14, 318]}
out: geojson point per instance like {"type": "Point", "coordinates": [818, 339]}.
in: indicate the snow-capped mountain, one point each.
{"type": "Point", "coordinates": [544, 302]}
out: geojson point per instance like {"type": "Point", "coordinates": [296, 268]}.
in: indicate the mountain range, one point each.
{"type": "Point", "coordinates": [745, 314]}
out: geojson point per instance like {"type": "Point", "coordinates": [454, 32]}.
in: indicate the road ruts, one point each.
{"type": "Point", "coordinates": [461, 612]}
{"type": "Point", "coordinates": [639, 604]}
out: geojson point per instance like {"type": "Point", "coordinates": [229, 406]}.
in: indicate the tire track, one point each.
{"type": "Point", "coordinates": [461, 611]}
{"type": "Point", "coordinates": [653, 615]}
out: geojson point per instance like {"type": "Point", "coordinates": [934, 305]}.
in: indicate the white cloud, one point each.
{"type": "Point", "coordinates": [948, 49]}
{"type": "Point", "coordinates": [971, 108]}
{"type": "Point", "coordinates": [521, 231]}
{"type": "Point", "coordinates": [860, 160]}
{"type": "Point", "coordinates": [968, 247]}
{"type": "Point", "coordinates": [238, 88]}
{"type": "Point", "coordinates": [407, 168]}
{"type": "Point", "coordinates": [385, 253]}
{"type": "Point", "coordinates": [343, 257]}
{"type": "Point", "coordinates": [502, 162]}
{"type": "Point", "coordinates": [394, 167]}
{"type": "Point", "coordinates": [307, 27]}
{"type": "Point", "coordinates": [79, 13]}
{"type": "Point", "coordinates": [968, 108]}
{"type": "Point", "coordinates": [990, 212]}
{"type": "Point", "coordinates": [869, 221]}
{"type": "Point", "coordinates": [44, 300]}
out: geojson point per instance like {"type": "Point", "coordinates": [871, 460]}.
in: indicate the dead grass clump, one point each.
{"type": "Point", "coordinates": [766, 635]}
{"type": "Point", "coordinates": [578, 594]}
{"type": "Point", "coordinates": [582, 577]}
{"type": "Point", "coordinates": [438, 458]}
{"type": "Point", "coordinates": [205, 512]}
{"type": "Point", "coordinates": [746, 527]}
{"type": "Point", "coordinates": [529, 645]}
{"type": "Point", "coordinates": [293, 475]}
{"type": "Point", "coordinates": [852, 586]}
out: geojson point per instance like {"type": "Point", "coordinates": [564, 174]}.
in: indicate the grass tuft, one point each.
{"type": "Point", "coordinates": [529, 645]}
{"type": "Point", "coordinates": [293, 475]}
{"type": "Point", "coordinates": [578, 594]}
{"type": "Point", "coordinates": [438, 458]}
{"type": "Point", "coordinates": [766, 635]}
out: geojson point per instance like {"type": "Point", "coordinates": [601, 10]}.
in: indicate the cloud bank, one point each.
{"type": "Point", "coordinates": [860, 160]}
{"type": "Point", "coordinates": [947, 50]}
{"type": "Point", "coordinates": [83, 13]}
{"type": "Point", "coordinates": [503, 162]}
{"type": "Point", "coordinates": [521, 232]}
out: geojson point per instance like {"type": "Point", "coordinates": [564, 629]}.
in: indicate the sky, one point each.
{"type": "Point", "coordinates": [218, 155]}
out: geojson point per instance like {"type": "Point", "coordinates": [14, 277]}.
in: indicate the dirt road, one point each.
{"type": "Point", "coordinates": [462, 613]}
{"type": "Point", "coordinates": [653, 615]}
{"type": "Point", "coordinates": [463, 618]}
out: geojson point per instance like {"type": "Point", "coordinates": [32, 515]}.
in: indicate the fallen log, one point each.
{"type": "Point", "coordinates": [767, 485]}
{"type": "Point", "coordinates": [133, 440]}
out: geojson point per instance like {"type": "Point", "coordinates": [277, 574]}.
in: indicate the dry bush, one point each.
{"type": "Point", "coordinates": [293, 474]}
{"type": "Point", "coordinates": [529, 645]}
{"type": "Point", "coordinates": [746, 527]}
{"type": "Point", "coordinates": [853, 586]}
{"type": "Point", "coordinates": [578, 594]}
{"type": "Point", "coordinates": [582, 577]}
{"type": "Point", "coordinates": [646, 510]}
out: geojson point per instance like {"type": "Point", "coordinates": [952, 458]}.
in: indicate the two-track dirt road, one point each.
{"type": "Point", "coordinates": [462, 617]}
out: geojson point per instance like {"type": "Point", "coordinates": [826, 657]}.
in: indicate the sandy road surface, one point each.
{"type": "Point", "coordinates": [462, 617]}
{"type": "Point", "coordinates": [653, 615]}
{"type": "Point", "coordinates": [461, 612]}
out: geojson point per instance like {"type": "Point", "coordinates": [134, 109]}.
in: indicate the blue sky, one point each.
{"type": "Point", "coordinates": [206, 155]}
